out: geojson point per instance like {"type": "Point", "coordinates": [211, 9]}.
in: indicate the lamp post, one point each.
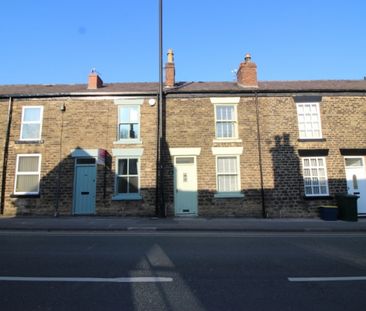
{"type": "Point", "coordinates": [160, 182]}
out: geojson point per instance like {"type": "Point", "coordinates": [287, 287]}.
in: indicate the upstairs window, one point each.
{"type": "Point", "coordinates": [129, 122]}
{"type": "Point", "coordinates": [27, 175]}
{"type": "Point", "coordinates": [315, 176]}
{"type": "Point", "coordinates": [31, 125]}
{"type": "Point", "coordinates": [226, 121]}
{"type": "Point", "coordinates": [309, 120]}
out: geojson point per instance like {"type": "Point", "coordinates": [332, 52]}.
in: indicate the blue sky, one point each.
{"type": "Point", "coordinates": [45, 41]}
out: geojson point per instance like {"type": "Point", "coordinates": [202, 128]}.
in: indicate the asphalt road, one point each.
{"type": "Point", "coordinates": [182, 271]}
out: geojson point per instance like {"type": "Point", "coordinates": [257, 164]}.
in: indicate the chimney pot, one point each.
{"type": "Point", "coordinates": [94, 81]}
{"type": "Point", "coordinates": [247, 73]}
{"type": "Point", "coordinates": [170, 70]}
{"type": "Point", "coordinates": [170, 56]}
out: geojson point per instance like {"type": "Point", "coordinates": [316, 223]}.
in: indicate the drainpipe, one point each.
{"type": "Point", "coordinates": [59, 170]}
{"type": "Point", "coordinates": [264, 213]}
{"type": "Point", "coordinates": [5, 155]}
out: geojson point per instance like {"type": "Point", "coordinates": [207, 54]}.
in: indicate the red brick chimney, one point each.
{"type": "Point", "coordinates": [94, 82]}
{"type": "Point", "coordinates": [170, 70]}
{"type": "Point", "coordinates": [247, 73]}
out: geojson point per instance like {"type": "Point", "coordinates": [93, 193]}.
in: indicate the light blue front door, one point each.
{"type": "Point", "coordinates": [185, 194]}
{"type": "Point", "coordinates": [84, 190]}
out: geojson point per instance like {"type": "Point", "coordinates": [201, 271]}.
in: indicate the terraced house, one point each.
{"type": "Point", "coordinates": [245, 148]}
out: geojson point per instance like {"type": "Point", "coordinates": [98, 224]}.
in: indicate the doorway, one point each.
{"type": "Point", "coordinates": [356, 180]}
{"type": "Point", "coordinates": [185, 186]}
{"type": "Point", "coordinates": [85, 186]}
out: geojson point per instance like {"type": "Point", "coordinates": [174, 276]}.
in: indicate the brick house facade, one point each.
{"type": "Point", "coordinates": [245, 148]}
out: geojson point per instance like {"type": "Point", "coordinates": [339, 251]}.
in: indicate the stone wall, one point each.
{"type": "Point", "coordinates": [86, 124]}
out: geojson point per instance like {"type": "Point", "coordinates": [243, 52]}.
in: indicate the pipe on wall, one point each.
{"type": "Point", "coordinates": [5, 155]}
{"type": "Point", "coordinates": [264, 212]}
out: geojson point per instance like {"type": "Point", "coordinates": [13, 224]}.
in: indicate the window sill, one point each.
{"type": "Point", "coordinates": [21, 142]}
{"type": "Point", "coordinates": [128, 142]}
{"type": "Point", "coordinates": [303, 140]}
{"type": "Point", "coordinates": [227, 140]}
{"type": "Point", "coordinates": [320, 197]}
{"type": "Point", "coordinates": [224, 195]}
{"type": "Point", "coordinates": [127, 197]}
{"type": "Point", "coordinates": [25, 196]}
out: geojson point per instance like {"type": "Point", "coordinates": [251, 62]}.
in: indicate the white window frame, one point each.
{"type": "Point", "coordinates": [122, 103]}
{"type": "Point", "coordinates": [228, 152]}
{"type": "Point", "coordinates": [311, 176]}
{"type": "Point", "coordinates": [309, 124]}
{"type": "Point", "coordinates": [234, 121]}
{"type": "Point", "coordinates": [127, 196]}
{"type": "Point", "coordinates": [127, 153]}
{"type": "Point", "coordinates": [27, 173]}
{"type": "Point", "coordinates": [40, 122]}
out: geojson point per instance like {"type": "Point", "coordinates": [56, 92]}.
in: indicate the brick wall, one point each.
{"type": "Point", "coordinates": [191, 123]}
{"type": "Point", "coordinates": [86, 124]}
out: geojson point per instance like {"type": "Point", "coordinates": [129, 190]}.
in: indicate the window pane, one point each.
{"type": "Point", "coordinates": [85, 161]}
{"type": "Point", "coordinates": [227, 165]}
{"type": "Point", "coordinates": [227, 183]}
{"type": "Point", "coordinates": [30, 131]}
{"type": "Point", "coordinates": [27, 183]}
{"type": "Point", "coordinates": [134, 115]}
{"type": "Point", "coordinates": [133, 167]}
{"type": "Point", "coordinates": [122, 167]}
{"type": "Point", "coordinates": [124, 115]}
{"type": "Point", "coordinates": [28, 164]}
{"type": "Point", "coordinates": [221, 165]}
{"type": "Point", "coordinates": [187, 160]}
{"type": "Point", "coordinates": [219, 129]}
{"type": "Point", "coordinates": [134, 184]}
{"type": "Point", "coordinates": [221, 183]}
{"type": "Point", "coordinates": [353, 162]}
{"type": "Point", "coordinates": [323, 189]}
{"type": "Point", "coordinates": [32, 114]}
{"type": "Point", "coordinates": [308, 190]}
{"type": "Point", "coordinates": [124, 130]}
{"type": "Point", "coordinates": [122, 184]}
{"type": "Point", "coordinates": [225, 129]}
{"type": "Point", "coordinates": [134, 130]}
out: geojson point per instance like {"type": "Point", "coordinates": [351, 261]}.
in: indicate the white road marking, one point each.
{"type": "Point", "coordinates": [184, 234]}
{"type": "Point", "coordinates": [86, 279]}
{"type": "Point", "coordinates": [328, 279]}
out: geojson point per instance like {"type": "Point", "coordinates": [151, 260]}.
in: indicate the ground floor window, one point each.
{"type": "Point", "coordinates": [27, 174]}
{"type": "Point", "coordinates": [127, 176]}
{"type": "Point", "coordinates": [315, 176]}
{"type": "Point", "coordinates": [227, 171]}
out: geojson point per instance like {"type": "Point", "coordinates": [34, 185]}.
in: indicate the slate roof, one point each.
{"type": "Point", "coordinates": [183, 88]}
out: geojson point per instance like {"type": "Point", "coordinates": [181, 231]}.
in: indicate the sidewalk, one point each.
{"type": "Point", "coordinates": [95, 223]}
